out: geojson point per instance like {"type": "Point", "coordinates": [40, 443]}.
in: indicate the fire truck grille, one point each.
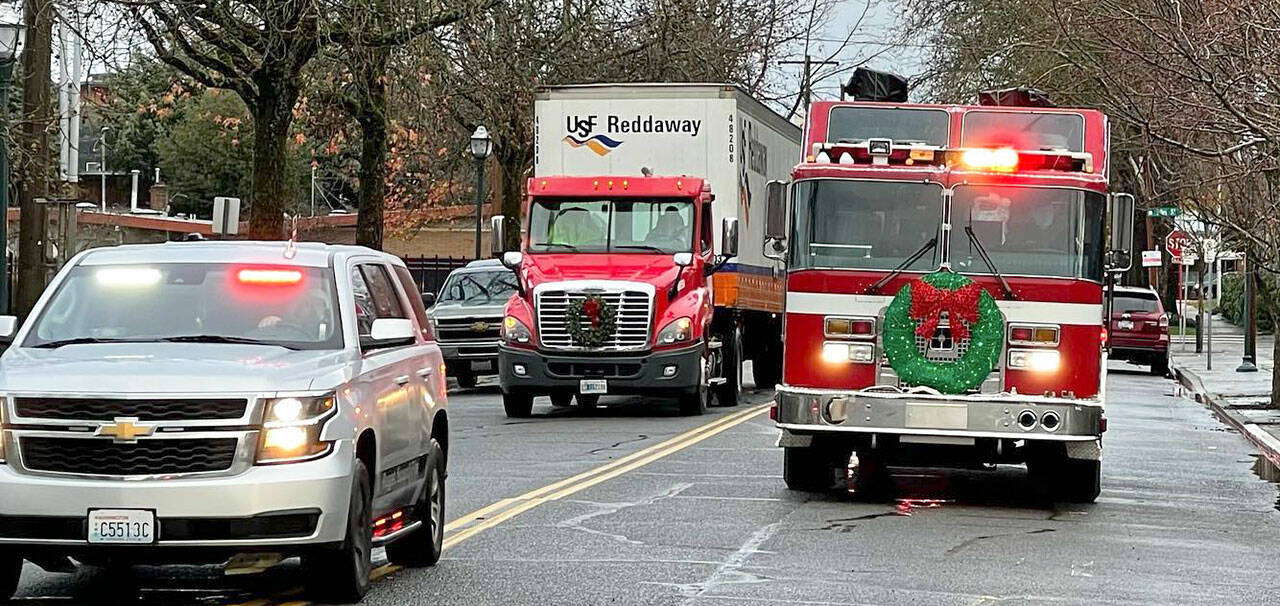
{"type": "Point", "coordinates": [93, 456]}
{"type": "Point", "coordinates": [106, 409]}
{"type": "Point", "coordinates": [942, 348]}
{"type": "Point", "coordinates": [633, 317]}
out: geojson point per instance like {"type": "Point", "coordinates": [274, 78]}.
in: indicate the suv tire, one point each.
{"type": "Point", "coordinates": [466, 378]}
{"type": "Point", "coordinates": [423, 546]}
{"type": "Point", "coordinates": [10, 574]}
{"type": "Point", "coordinates": [588, 402]}
{"type": "Point", "coordinates": [342, 575]}
{"type": "Point", "coordinates": [1160, 366]}
{"type": "Point", "coordinates": [518, 405]}
{"type": "Point", "coordinates": [562, 399]}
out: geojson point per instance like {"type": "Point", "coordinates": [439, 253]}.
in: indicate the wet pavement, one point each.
{"type": "Point", "coordinates": [1187, 516]}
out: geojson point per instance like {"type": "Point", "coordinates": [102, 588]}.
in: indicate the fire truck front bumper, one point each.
{"type": "Point", "coordinates": [805, 411]}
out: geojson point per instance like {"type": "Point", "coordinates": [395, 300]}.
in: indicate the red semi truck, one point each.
{"type": "Point", "coordinates": [630, 279]}
{"type": "Point", "coordinates": [947, 279]}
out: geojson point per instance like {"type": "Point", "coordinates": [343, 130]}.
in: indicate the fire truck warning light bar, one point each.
{"type": "Point", "coordinates": [886, 152]}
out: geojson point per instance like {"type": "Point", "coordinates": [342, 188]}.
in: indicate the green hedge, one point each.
{"type": "Point", "coordinates": [1232, 304]}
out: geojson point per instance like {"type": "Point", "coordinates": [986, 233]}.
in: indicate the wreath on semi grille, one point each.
{"type": "Point", "coordinates": [591, 321]}
{"type": "Point", "coordinates": [917, 310]}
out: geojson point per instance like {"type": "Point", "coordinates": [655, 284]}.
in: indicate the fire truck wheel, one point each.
{"type": "Point", "coordinates": [562, 399]}
{"type": "Point", "coordinates": [1160, 366]}
{"type": "Point", "coordinates": [807, 469]}
{"type": "Point", "coordinates": [10, 572]}
{"type": "Point", "coordinates": [466, 378]}
{"type": "Point", "coordinates": [518, 405]}
{"type": "Point", "coordinates": [731, 366]}
{"type": "Point", "coordinates": [766, 367]}
{"type": "Point", "coordinates": [1081, 481]}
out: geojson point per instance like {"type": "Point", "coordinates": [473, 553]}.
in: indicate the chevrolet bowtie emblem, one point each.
{"type": "Point", "coordinates": [480, 326]}
{"type": "Point", "coordinates": [125, 429]}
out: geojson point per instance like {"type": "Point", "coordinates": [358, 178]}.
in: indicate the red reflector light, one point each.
{"type": "Point", "coordinates": [773, 412]}
{"type": "Point", "coordinates": [269, 276]}
{"type": "Point", "coordinates": [1102, 337]}
{"type": "Point", "coordinates": [862, 327]}
{"type": "Point", "coordinates": [1020, 334]}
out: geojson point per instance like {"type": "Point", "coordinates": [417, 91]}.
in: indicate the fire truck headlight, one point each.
{"type": "Point", "coordinates": [836, 353]}
{"type": "Point", "coordinates": [1035, 360]}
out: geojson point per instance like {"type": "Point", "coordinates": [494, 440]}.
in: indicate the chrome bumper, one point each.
{"type": "Point", "coordinates": [810, 411]}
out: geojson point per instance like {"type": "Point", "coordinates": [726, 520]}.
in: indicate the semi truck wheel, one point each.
{"type": "Point", "coordinates": [696, 402]}
{"type": "Point", "coordinates": [807, 469]}
{"type": "Point", "coordinates": [518, 405]}
{"type": "Point", "coordinates": [10, 573]}
{"type": "Point", "coordinates": [730, 392]}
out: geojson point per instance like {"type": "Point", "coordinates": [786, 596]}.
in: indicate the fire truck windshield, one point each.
{"type": "Point", "coordinates": [1029, 231]}
{"type": "Point", "coordinates": [901, 124]}
{"type": "Point", "coordinates": [864, 224]}
{"type": "Point", "coordinates": [620, 225]}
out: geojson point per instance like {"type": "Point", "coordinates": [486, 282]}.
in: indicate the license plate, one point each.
{"type": "Point", "coordinates": [133, 526]}
{"type": "Point", "coordinates": [1125, 325]}
{"type": "Point", "coordinates": [593, 386]}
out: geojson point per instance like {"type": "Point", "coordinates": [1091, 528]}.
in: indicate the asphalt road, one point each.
{"type": "Point", "coordinates": [663, 509]}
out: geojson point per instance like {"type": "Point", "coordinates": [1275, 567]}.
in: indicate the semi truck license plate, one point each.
{"type": "Point", "coordinates": [593, 386]}
{"type": "Point", "coordinates": [136, 526]}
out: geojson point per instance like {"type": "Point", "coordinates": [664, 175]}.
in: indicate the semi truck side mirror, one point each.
{"type": "Point", "coordinates": [775, 224]}
{"type": "Point", "coordinates": [1120, 253]}
{"type": "Point", "coordinates": [683, 259]}
{"type": "Point", "coordinates": [729, 237]}
{"type": "Point", "coordinates": [497, 235]}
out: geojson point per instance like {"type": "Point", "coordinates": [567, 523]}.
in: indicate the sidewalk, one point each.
{"type": "Point", "coordinates": [1239, 398]}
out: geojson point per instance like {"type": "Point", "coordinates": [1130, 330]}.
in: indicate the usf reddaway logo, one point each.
{"type": "Point", "coordinates": [580, 135]}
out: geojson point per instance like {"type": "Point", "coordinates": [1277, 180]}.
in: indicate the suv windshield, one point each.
{"type": "Point", "coordinates": [1029, 231]}
{"type": "Point", "coordinates": [622, 225]}
{"type": "Point", "coordinates": [478, 287]}
{"type": "Point", "coordinates": [864, 224]}
{"type": "Point", "coordinates": [293, 307]}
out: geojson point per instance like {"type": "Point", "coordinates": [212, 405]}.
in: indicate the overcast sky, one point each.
{"type": "Point", "coordinates": [871, 43]}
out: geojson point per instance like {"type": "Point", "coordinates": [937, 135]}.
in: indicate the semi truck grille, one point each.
{"type": "Point", "coordinates": [106, 409]}
{"type": "Point", "coordinates": [92, 456]}
{"type": "Point", "coordinates": [467, 329]}
{"type": "Point", "coordinates": [634, 309]}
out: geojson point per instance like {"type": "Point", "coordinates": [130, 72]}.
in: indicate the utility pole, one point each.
{"type": "Point", "coordinates": [1250, 361]}
{"type": "Point", "coordinates": [806, 85]}
{"type": "Point", "coordinates": [37, 116]}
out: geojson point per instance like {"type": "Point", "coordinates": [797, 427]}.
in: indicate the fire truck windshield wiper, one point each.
{"type": "Point", "coordinates": [982, 252]}
{"type": "Point", "coordinates": [928, 246]}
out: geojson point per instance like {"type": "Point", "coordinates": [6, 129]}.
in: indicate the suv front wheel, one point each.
{"type": "Point", "coordinates": [342, 575]}
{"type": "Point", "coordinates": [10, 573]}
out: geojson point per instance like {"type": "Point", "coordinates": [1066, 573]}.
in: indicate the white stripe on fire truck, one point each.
{"type": "Point", "coordinates": [1014, 311]}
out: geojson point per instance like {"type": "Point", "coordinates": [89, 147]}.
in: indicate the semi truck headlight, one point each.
{"type": "Point", "coordinates": [515, 332]}
{"type": "Point", "coordinates": [861, 353]}
{"type": "Point", "coordinates": [291, 429]}
{"type": "Point", "coordinates": [1038, 360]}
{"type": "Point", "coordinates": [679, 330]}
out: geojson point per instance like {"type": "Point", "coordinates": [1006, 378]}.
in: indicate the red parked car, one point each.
{"type": "Point", "coordinates": [1140, 329]}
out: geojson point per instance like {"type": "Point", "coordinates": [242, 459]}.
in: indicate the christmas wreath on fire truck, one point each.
{"type": "Point", "coordinates": [917, 310]}
{"type": "Point", "coordinates": [591, 321]}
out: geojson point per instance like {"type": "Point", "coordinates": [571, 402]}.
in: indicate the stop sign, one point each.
{"type": "Point", "coordinates": [1175, 242]}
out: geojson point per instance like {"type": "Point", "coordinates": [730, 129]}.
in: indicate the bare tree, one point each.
{"type": "Point", "coordinates": [35, 157]}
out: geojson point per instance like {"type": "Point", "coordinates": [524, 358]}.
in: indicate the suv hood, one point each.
{"type": "Point", "coordinates": [122, 368]}
{"type": "Point", "coordinates": [656, 269]}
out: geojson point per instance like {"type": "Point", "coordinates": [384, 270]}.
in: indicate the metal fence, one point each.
{"type": "Point", "coordinates": [430, 272]}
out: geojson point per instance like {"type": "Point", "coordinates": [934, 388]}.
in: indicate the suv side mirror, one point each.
{"type": "Point", "coordinates": [428, 298]}
{"type": "Point", "coordinates": [8, 328]}
{"type": "Point", "coordinates": [497, 235]}
{"type": "Point", "coordinates": [512, 260]}
{"type": "Point", "coordinates": [729, 237]}
{"type": "Point", "coordinates": [389, 332]}
{"type": "Point", "coordinates": [1120, 248]}
{"type": "Point", "coordinates": [775, 224]}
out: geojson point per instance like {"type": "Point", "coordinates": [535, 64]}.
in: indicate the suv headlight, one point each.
{"type": "Point", "coordinates": [679, 330]}
{"type": "Point", "coordinates": [291, 429]}
{"type": "Point", "coordinates": [515, 332]}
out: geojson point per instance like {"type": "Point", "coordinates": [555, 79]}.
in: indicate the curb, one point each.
{"type": "Point", "coordinates": [1268, 444]}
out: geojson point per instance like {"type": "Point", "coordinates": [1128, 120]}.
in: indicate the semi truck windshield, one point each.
{"type": "Point", "coordinates": [621, 225]}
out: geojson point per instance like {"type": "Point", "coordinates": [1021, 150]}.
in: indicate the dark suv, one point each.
{"type": "Point", "coordinates": [1140, 329]}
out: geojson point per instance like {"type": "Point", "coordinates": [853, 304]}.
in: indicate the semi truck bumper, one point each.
{"type": "Point", "coordinates": [802, 413]}
{"type": "Point", "coordinates": [664, 373]}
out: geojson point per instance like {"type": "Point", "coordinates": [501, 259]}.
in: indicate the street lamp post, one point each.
{"type": "Point", "coordinates": [481, 147]}
{"type": "Point", "coordinates": [10, 39]}
{"type": "Point", "coordinates": [102, 164]}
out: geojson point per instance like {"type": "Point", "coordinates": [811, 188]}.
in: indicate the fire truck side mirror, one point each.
{"type": "Point", "coordinates": [1120, 253]}
{"type": "Point", "coordinates": [497, 235]}
{"type": "Point", "coordinates": [775, 224]}
{"type": "Point", "coordinates": [729, 237]}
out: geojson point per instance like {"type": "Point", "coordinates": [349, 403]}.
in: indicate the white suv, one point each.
{"type": "Point", "coordinates": [199, 401]}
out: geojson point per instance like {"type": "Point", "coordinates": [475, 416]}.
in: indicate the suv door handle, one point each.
{"type": "Point", "coordinates": [424, 372]}
{"type": "Point", "coordinates": [402, 380]}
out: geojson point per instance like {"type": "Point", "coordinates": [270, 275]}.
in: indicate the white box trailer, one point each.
{"type": "Point", "coordinates": [714, 131]}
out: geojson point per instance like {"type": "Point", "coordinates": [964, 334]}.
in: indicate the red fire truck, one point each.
{"type": "Point", "coordinates": [947, 279]}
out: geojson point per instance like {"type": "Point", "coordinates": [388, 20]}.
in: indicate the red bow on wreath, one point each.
{"type": "Point", "coordinates": [928, 302]}
{"type": "Point", "coordinates": [591, 309]}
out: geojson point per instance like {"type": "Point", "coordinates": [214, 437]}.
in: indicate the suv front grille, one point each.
{"type": "Point", "coordinates": [96, 456]}
{"type": "Point", "coordinates": [633, 317]}
{"type": "Point", "coordinates": [467, 329]}
{"type": "Point", "coordinates": [106, 409]}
